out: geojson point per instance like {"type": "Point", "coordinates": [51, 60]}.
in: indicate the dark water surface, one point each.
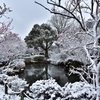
{"type": "Point", "coordinates": [34, 72]}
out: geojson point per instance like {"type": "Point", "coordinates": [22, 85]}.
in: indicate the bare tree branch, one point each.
{"type": "Point", "coordinates": [81, 15]}
{"type": "Point", "coordinates": [52, 11]}
{"type": "Point", "coordinates": [69, 13]}
{"type": "Point", "coordinates": [92, 6]}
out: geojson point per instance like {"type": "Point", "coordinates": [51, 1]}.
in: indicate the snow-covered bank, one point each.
{"type": "Point", "coordinates": [14, 67]}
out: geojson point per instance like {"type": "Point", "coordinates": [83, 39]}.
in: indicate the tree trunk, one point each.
{"type": "Point", "coordinates": [98, 81]}
{"type": "Point", "coordinates": [46, 53]}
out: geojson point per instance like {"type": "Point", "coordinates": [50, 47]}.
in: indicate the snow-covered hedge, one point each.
{"type": "Point", "coordinates": [46, 89]}
{"type": "Point", "coordinates": [50, 90]}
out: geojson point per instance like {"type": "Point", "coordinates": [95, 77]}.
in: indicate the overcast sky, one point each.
{"type": "Point", "coordinates": [25, 14]}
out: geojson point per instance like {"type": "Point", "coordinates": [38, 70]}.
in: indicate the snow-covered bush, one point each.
{"type": "Point", "coordinates": [7, 70]}
{"type": "Point", "coordinates": [79, 90]}
{"type": "Point", "coordinates": [14, 82]}
{"type": "Point", "coordinates": [46, 89]}
{"type": "Point", "coordinates": [50, 90]}
{"type": "Point", "coordinates": [3, 78]}
{"type": "Point", "coordinates": [4, 96]}
{"type": "Point", "coordinates": [12, 48]}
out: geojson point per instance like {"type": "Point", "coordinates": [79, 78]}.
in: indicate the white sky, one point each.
{"type": "Point", "coordinates": [25, 14]}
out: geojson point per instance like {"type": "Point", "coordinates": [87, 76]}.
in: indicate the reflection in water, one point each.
{"type": "Point", "coordinates": [34, 72]}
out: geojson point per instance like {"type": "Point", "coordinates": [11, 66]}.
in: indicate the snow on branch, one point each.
{"type": "Point", "coordinates": [81, 76]}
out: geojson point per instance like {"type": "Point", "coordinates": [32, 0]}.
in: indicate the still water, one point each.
{"type": "Point", "coordinates": [34, 72]}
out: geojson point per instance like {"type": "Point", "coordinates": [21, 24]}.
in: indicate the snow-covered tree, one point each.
{"type": "Point", "coordinates": [76, 10]}
{"type": "Point", "coordinates": [69, 45]}
{"type": "Point", "coordinates": [11, 46]}
{"type": "Point", "coordinates": [41, 36]}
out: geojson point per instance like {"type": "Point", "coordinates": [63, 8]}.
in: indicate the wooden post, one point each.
{"type": "Point", "coordinates": [6, 88]}
{"type": "Point", "coordinates": [22, 94]}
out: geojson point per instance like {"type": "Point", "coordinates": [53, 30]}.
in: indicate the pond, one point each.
{"type": "Point", "coordinates": [34, 72]}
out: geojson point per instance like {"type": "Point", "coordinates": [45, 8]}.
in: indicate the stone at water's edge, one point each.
{"type": "Point", "coordinates": [21, 64]}
{"type": "Point", "coordinates": [27, 59]}
{"type": "Point", "coordinates": [39, 58]}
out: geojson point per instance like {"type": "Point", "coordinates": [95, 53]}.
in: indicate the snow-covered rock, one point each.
{"type": "Point", "coordinates": [27, 59]}
{"type": "Point", "coordinates": [18, 64]}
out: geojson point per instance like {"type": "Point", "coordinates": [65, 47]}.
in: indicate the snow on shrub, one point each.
{"type": "Point", "coordinates": [49, 90]}
{"type": "Point", "coordinates": [4, 96]}
{"type": "Point", "coordinates": [15, 83]}
{"type": "Point", "coordinates": [3, 78]}
{"type": "Point", "coordinates": [46, 89]}
{"type": "Point", "coordinates": [79, 90]}
{"type": "Point", "coordinates": [7, 70]}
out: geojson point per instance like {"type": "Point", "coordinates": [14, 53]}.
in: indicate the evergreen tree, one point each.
{"type": "Point", "coordinates": [41, 36]}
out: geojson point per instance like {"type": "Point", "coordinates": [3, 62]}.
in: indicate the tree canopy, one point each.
{"type": "Point", "coordinates": [41, 36]}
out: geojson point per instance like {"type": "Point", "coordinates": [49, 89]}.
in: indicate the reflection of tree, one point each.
{"type": "Point", "coordinates": [35, 72]}
{"type": "Point", "coordinates": [46, 71]}
{"type": "Point", "coordinates": [33, 78]}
